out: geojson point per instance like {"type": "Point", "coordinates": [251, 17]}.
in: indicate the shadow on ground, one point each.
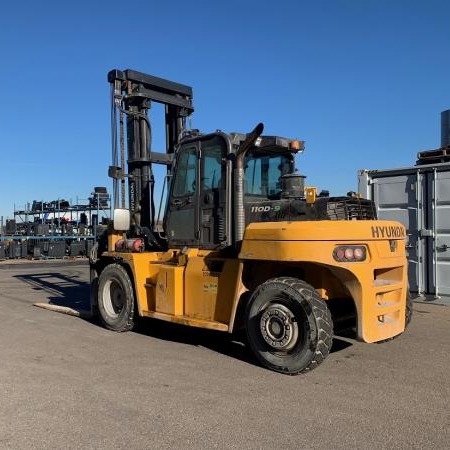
{"type": "Point", "coordinates": [61, 290]}
{"type": "Point", "coordinates": [71, 292]}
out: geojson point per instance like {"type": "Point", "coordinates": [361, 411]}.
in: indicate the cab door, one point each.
{"type": "Point", "coordinates": [181, 222]}
{"type": "Point", "coordinates": [212, 194]}
{"type": "Point", "coordinates": [209, 276]}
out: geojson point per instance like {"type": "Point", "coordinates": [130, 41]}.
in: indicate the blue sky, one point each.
{"type": "Point", "coordinates": [363, 82]}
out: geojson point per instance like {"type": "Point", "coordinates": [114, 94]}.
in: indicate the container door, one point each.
{"type": "Point", "coordinates": [400, 198]}
{"type": "Point", "coordinates": [439, 247]}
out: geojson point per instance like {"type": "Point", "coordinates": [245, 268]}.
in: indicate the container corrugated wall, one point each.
{"type": "Point", "coordinates": [418, 197]}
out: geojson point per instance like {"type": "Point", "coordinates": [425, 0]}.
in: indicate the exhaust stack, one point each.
{"type": "Point", "coordinates": [239, 180]}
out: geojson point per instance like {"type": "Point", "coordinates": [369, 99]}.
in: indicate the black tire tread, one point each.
{"type": "Point", "coordinates": [128, 325]}
{"type": "Point", "coordinates": [324, 320]}
{"type": "Point", "coordinates": [409, 311]}
{"type": "Point", "coordinates": [322, 317]}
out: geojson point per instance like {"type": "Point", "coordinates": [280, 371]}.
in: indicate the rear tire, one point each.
{"type": "Point", "coordinates": [408, 311]}
{"type": "Point", "coordinates": [289, 326]}
{"type": "Point", "coordinates": [116, 299]}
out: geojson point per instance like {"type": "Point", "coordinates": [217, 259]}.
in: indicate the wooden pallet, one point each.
{"type": "Point", "coordinates": [439, 155]}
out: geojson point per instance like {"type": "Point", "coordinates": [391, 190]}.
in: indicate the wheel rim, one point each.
{"type": "Point", "coordinates": [279, 327]}
{"type": "Point", "coordinates": [113, 298]}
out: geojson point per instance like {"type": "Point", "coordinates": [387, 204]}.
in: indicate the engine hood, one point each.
{"type": "Point", "coordinates": [325, 230]}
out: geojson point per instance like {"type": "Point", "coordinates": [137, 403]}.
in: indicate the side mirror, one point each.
{"type": "Point", "coordinates": [121, 219]}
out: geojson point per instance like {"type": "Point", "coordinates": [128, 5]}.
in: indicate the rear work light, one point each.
{"type": "Point", "coordinates": [350, 253]}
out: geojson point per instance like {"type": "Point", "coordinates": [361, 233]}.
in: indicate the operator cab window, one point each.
{"type": "Point", "coordinates": [263, 174]}
{"type": "Point", "coordinates": [186, 173]}
{"type": "Point", "coordinates": [213, 167]}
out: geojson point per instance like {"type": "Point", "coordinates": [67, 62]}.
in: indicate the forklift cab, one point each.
{"type": "Point", "coordinates": [196, 213]}
{"type": "Point", "coordinates": [199, 208]}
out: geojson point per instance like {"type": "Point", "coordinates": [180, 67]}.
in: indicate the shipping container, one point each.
{"type": "Point", "coordinates": [418, 197]}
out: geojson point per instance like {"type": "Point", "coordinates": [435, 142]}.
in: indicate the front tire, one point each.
{"type": "Point", "coordinates": [289, 326]}
{"type": "Point", "coordinates": [116, 299]}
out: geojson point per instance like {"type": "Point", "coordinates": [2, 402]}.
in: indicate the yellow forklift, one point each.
{"type": "Point", "coordinates": [242, 244]}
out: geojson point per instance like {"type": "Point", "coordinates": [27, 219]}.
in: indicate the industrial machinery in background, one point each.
{"type": "Point", "coordinates": [244, 244]}
{"type": "Point", "coordinates": [55, 229]}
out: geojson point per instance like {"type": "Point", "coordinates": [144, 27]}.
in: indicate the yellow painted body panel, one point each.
{"type": "Point", "coordinates": [377, 285]}
{"type": "Point", "coordinates": [202, 289]}
{"type": "Point", "coordinates": [113, 237]}
{"type": "Point", "coordinates": [194, 288]}
{"type": "Point", "coordinates": [170, 290]}
{"type": "Point", "coordinates": [145, 275]}
{"type": "Point", "coordinates": [189, 321]}
{"type": "Point", "coordinates": [210, 287]}
{"type": "Point", "coordinates": [324, 230]}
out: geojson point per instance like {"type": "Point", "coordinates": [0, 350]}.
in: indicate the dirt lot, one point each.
{"type": "Point", "coordinates": [66, 382]}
